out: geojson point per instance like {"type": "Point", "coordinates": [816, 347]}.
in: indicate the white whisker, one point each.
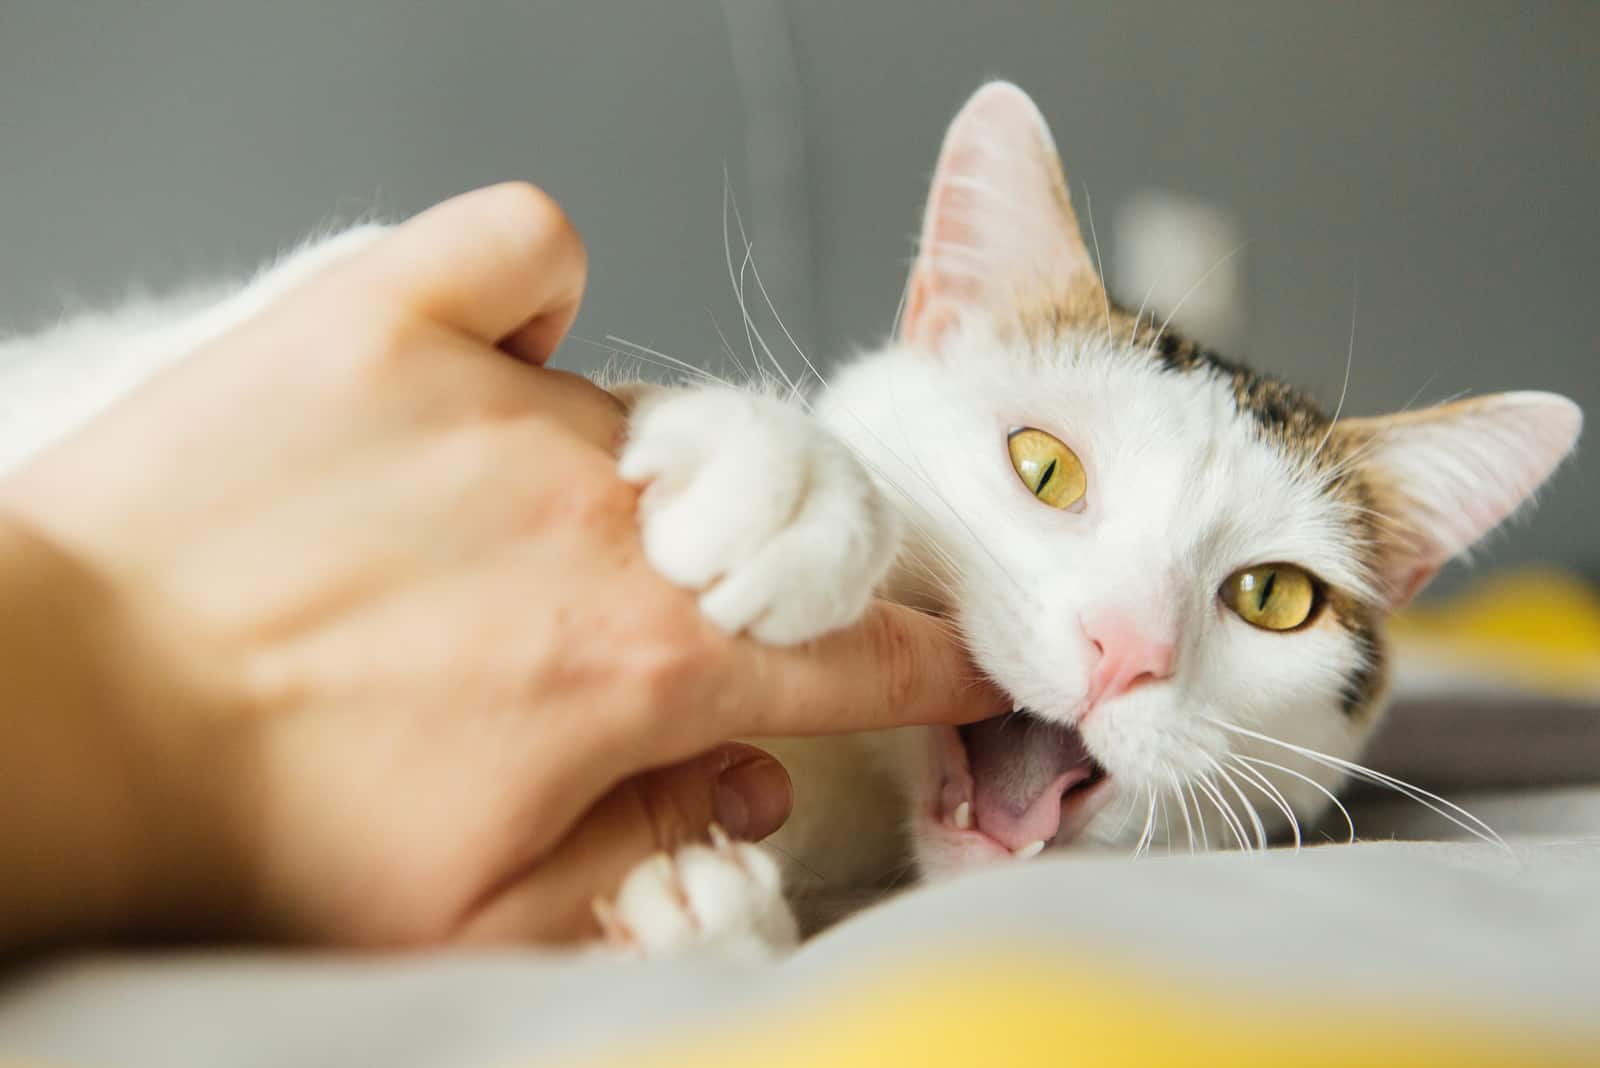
{"type": "Point", "coordinates": [1225, 810]}
{"type": "Point", "coordinates": [1329, 794]}
{"type": "Point", "coordinates": [1262, 783]}
{"type": "Point", "coordinates": [1148, 835]}
{"type": "Point", "coordinates": [1183, 804]}
{"type": "Point", "coordinates": [1349, 360]}
{"type": "Point", "coordinates": [1133, 334]}
{"type": "Point", "coordinates": [1250, 810]}
{"type": "Point", "coordinates": [1099, 266]}
{"type": "Point", "coordinates": [663, 359]}
{"type": "Point", "coordinates": [1447, 809]}
{"type": "Point", "coordinates": [1200, 818]}
{"type": "Point", "coordinates": [1192, 290]}
{"type": "Point", "coordinates": [1126, 816]}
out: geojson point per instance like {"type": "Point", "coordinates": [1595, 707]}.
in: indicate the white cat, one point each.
{"type": "Point", "coordinates": [1178, 569]}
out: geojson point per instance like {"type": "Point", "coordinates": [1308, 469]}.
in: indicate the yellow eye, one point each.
{"type": "Point", "coordinates": [1049, 469]}
{"type": "Point", "coordinates": [1271, 596]}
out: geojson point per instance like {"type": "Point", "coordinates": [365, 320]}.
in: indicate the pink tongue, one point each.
{"type": "Point", "coordinates": [1021, 766]}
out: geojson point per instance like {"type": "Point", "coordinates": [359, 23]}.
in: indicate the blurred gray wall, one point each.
{"type": "Point", "coordinates": [1442, 159]}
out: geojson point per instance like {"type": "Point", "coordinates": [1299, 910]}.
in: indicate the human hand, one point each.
{"type": "Point", "coordinates": [394, 669]}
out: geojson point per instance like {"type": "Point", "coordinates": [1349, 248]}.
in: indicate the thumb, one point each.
{"type": "Point", "coordinates": [738, 786]}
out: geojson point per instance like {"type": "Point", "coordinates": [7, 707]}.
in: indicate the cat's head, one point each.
{"type": "Point", "coordinates": [1164, 557]}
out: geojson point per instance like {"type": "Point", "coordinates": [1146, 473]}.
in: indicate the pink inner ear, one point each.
{"type": "Point", "coordinates": [920, 323]}
{"type": "Point", "coordinates": [955, 228]}
{"type": "Point", "coordinates": [1460, 470]}
{"type": "Point", "coordinates": [999, 225]}
{"type": "Point", "coordinates": [1410, 584]}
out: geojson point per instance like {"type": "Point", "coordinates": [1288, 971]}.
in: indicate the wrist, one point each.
{"type": "Point", "coordinates": [107, 829]}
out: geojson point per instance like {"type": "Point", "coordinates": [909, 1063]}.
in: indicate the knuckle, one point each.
{"type": "Point", "coordinates": [666, 672]}
{"type": "Point", "coordinates": [532, 216]}
{"type": "Point", "coordinates": [378, 343]}
{"type": "Point", "coordinates": [663, 665]}
{"type": "Point", "coordinates": [521, 202]}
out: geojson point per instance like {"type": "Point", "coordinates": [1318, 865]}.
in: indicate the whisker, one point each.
{"type": "Point", "coordinates": [1442, 806]}
{"type": "Point", "coordinates": [1260, 782]}
{"type": "Point", "coordinates": [1183, 803]}
{"type": "Point", "coordinates": [1133, 334]}
{"type": "Point", "coordinates": [750, 376]}
{"type": "Point", "coordinates": [1229, 817]}
{"type": "Point", "coordinates": [1192, 290]}
{"type": "Point", "coordinates": [1126, 816]}
{"type": "Point", "coordinates": [1148, 835]}
{"type": "Point", "coordinates": [1329, 794]}
{"type": "Point", "coordinates": [1199, 816]}
{"type": "Point", "coordinates": [1099, 266]}
{"type": "Point", "coordinates": [752, 335]}
{"type": "Point", "coordinates": [642, 360]}
{"type": "Point", "coordinates": [1250, 810]}
{"type": "Point", "coordinates": [802, 865]}
{"type": "Point", "coordinates": [637, 349]}
{"type": "Point", "coordinates": [1166, 822]}
{"type": "Point", "coordinates": [1349, 360]}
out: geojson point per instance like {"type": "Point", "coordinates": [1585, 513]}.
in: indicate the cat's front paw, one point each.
{"type": "Point", "coordinates": [725, 900]}
{"type": "Point", "coordinates": [753, 504]}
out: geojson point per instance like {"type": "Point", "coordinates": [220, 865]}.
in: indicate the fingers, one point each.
{"type": "Point", "coordinates": [502, 265]}
{"type": "Point", "coordinates": [896, 667]}
{"type": "Point", "coordinates": [738, 786]}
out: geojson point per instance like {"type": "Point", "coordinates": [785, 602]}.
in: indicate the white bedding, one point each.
{"type": "Point", "coordinates": [1462, 926]}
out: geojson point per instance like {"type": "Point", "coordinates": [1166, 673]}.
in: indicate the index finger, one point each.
{"type": "Point", "coordinates": [897, 667]}
{"type": "Point", "coordinates": [502, 265]}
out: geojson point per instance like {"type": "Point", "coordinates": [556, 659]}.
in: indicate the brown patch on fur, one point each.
{"type": "Point", "coordinates": [1365, 686]}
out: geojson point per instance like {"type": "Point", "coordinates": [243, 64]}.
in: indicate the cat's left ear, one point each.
{"type": "Point", "coordinates": [1445, 476]}
{"type": "Point", "coordinates": [999, 228]}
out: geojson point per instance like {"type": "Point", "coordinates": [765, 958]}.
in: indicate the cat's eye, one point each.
{"type": "Point", "coordinates": [1050, 470]}
{"type": "Point", "coordinates": [1272, 596]}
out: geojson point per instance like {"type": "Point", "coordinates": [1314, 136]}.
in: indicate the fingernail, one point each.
{"type": "Point", "coordinates": [753, 798]}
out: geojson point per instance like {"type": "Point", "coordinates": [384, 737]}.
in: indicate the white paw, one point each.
{"type": "Point", "coordinates": [725, 899]}
{"type": "Point", "coordinates": [756, 506]}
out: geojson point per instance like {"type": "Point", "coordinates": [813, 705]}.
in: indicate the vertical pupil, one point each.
{"type": "Point", "coordinates": [1266, 591]}
{"type": "Point", "coordinates": [1049, 470]}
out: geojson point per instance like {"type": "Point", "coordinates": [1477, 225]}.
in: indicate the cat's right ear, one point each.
{"type": "Point", "coordinates": [999, 229]}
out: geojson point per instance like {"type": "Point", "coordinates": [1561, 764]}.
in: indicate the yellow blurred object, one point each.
{"type": "Point", "coordinates": [1536, 628]}
{"type": "Point", "coordinates": [1027, 1011]}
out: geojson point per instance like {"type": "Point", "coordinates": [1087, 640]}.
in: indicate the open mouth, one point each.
{"type": "Point", "coordinates": [1020, 782]}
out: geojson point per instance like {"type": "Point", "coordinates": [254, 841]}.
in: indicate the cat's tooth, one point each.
{"type": "Point", "coordinates": [964, 816]}
{"type": "Point", "coordinates": [1029, 851]}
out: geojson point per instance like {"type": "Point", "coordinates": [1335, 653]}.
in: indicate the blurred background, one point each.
{"type": "Point", "coordinates": [1422, 174]}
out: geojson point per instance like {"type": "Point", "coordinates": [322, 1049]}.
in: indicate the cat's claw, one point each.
{"type": "Point", "coordinates": [725, 900]}
{"type": "Point", "coordinates": [754, 505]}
{"type": "Point", "coordinates": [1029, 851]}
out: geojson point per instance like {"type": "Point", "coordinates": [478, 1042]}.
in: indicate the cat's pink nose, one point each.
{"type": "Point", "coordinates": [1128, 657]}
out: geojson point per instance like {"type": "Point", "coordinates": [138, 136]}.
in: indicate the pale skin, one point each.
{"type": "Point", "coordinates": [340, 632]}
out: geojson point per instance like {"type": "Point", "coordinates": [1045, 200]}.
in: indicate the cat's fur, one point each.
{"type": "Point", "coordinates": [1196, 467]}
{"type": "Point", "coordinates": [1103, 622]}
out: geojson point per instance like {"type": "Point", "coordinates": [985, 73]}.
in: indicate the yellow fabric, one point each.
{"type": "Point", "coordinates": [1537, 628]}
{"type": "Point", "coordinates": [1023, 1011]}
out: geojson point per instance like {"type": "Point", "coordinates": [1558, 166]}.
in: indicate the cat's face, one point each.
{"type": "Point", "coordinates": [1164, 559]}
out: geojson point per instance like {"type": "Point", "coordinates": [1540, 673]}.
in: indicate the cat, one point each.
{"type": "Point", "coordinates": [1177, 568]}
